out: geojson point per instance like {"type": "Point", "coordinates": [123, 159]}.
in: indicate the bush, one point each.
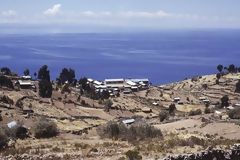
{"type": "Point", "coordinates": [195, 112]}
{"type": "Point", "coordinates": [16, 132]}
{"type": "Point", "coordinates": [163, 115]}
{"type": "Point", "coordinates": [3, 138]}
{"type": "Point", "coordinates": [172, 109]}
{"type": "Point", "coordinates": [145, 131]}
{"type": "Point", "coordinates": [113, 130]}
{"type": "Point", "coordinates": [234, 114]}
{"type": "Point", "coordinates": [207, 110]}
{"type": "Point", "coordinates": [20, 132]}
{"type": "Point", "coordinates": [205, 86]}
{"type": "Point", "coordinates": [6, 82]}
{"type": "Point", "coordinates": [116, 130]}
{"type": "Point", "coordinates": [6, 99]}
{"type": "Point", "coordinates": [238, 87]}
{"type": "Point", "coordinates": [133, 155]}
{"type": "Point", "coordinates": [108, 104]}
{"type": "Point", "coordinates": [45, 129]}
{"type": "Point", "coordinates": [225, 101]}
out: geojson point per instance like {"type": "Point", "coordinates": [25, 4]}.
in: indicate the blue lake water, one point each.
{"type": "Point", "coordinates": [162, 57]}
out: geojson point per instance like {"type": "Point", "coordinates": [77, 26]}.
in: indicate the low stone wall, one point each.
{"type": "Point", "coordinates": [233, 154]}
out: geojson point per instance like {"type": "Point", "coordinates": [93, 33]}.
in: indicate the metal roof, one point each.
{"type": "Point", "coordinates": [97, 82]}
{"type": "Point", "coordinates": [90, 80]}
{"type": "Point", "coordinates": [22, 83]}
{"type": "Point", "coordinates": [27, 77]}
{"type": "Point", "coordinates": [12, 124]}
{"type": "Point", "coordinates": [128, 121]}
{"type": "Point", "coordinates": [131, 83]}
{"type": "Point", "coordinates": [114, 80]}
{"type": "Point", "coordinates": [140, 80]}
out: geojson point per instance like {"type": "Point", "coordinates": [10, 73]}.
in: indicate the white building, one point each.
{"type": "Point", "coordinates": [114, 83]}
{"type": "Point", "coordinates": [25, 84]}
{"type": "Point", "coordinates": [144, 80]}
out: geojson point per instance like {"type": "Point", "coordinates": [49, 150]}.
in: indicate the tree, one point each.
{"type": "Point", "coordinates": [3, 138]}
{"type": "Point", "coordinates": [43, 73]}
{"type": "Point", "coordinates": [5, 81]}
{"type": "Point", "coordinates": [232, 68]}
{"type": "Point", "coordinates": [26, 72]}
{"type": "Point", "coordinates": [67, 75]}
{"type": "Point", "coordinates": [45, 89]}
{"type": "Point", "coordinates": [238, 87]}
{"type": "Point", "coordinates": [172, 109]}
{"type": "Point", "coordinates": [238, 69]}
{"type": "Point", "coordinates": [218, 76]}
{"type": "Point", "coordinates": [84, 83]}
{"type": "Point", "coordinates": [225, 101]}
{"type": "Point", "coordinates": [6, 71]}
{"type": "Point", "coordinates": [35, 75]}
{"type": "Point", "coordinates": [220, 68]}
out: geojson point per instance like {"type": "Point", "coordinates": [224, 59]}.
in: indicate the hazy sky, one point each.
{"type": "Point", "coordinates": [20, 16]}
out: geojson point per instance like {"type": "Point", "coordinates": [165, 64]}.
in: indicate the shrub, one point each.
{"type": "Point", "coordinates": [205, 86]}
{"type": "Point", "coordinates": [195, 112]}
{"type": "Point", "coordinates": [45, 129]}
{"type": "Point", "coordinates": [111, 130]}
{"type": "Point", "coordinates": [172, 108]}
{"type": "Point", "coordinates": [133, 155]}
{"type": "Point", "coordinates": [3, 137]}
{"type": "Point", "coordinates": [163, 115]}
{"type": "Point", "coordinates": [6, 82]}
{"type": "Point", "coordinates": [135, 132]}
{"type": "Point", "coordinates": [108, 104]}
{"type": "Point", "coordinates": [6, 99]}
{"type": "Point", "coordinates": [16, 132]}
{"type": "Point", "coordinates": [238, 87]}
{"type": "Point", "coordinates": [20, 132]}
{"type": "Point", "coordinates": [225, 101]}
{"type": "Point", "coordinates": [83, 102]}
{"type": "Point", "coordinates": [234, 114]}
{"type": "Point", "coordinates": [207, 110]}
{"type": "Point", "coordinates": [145, 131]}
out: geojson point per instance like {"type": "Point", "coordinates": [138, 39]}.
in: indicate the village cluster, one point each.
{"type": "Point", "coordinates": [114, 86]}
